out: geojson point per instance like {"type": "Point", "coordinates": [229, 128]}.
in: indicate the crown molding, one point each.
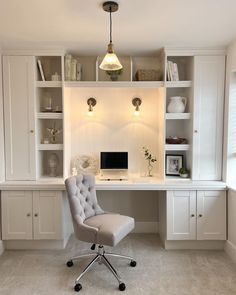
{"type": "Point", "coordinates": [191, 51]}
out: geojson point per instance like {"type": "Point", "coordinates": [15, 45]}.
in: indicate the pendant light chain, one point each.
{"type": "Point", "coordinates": [110, 26]}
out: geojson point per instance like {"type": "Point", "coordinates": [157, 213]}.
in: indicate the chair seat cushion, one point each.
{"type": "Point", "coordinates": [112, 228]}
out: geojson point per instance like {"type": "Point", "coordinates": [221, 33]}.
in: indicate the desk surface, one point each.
{"type": "Point", "coordinates": [132, 184]}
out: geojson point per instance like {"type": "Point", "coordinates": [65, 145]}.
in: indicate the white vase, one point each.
{"type": "Point", "coordinates": [177, 104]}
{"type": "Point", "coordinates": [53, 162]}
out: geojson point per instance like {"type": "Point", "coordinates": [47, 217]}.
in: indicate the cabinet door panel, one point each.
{"type": "Point", "coordinates": [18, 79]}
{"type": "Point", "coordinates": [16, 215]}
{"type": "Point", "coordinates": [211, 212]}
{"type": "Point", "coordinates": [47, 215]}
{"type": "Point", "coordinates": [181, 215]}
{"type": "Point", "coordinates": [208, 117]}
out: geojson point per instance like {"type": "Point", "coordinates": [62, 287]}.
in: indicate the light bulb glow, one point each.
{"type": "Point", "coordinates": [136, 113]}
{"type": "Point", "coordinates": [90, 113]}
{"type": "Point", "coordinates": [110, 63]}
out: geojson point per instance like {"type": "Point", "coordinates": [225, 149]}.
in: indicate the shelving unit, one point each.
{"type": "Point", "coordinates": [180, 124]}
{"type": "Point", "coordinates": [49, 114]}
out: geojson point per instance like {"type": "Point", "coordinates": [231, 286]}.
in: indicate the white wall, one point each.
{"type": "Point", "coordinates": [114, 128]}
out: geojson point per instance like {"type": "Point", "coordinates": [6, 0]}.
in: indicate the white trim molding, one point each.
{"type": "Point", "coordinates": [230, 249]}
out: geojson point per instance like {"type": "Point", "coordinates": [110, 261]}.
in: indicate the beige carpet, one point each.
{"type": "Point", "coordinates": [158, 271]}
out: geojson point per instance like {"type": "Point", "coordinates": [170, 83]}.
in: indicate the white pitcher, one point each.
{"type": "Point", "coordinates": [177, 104]}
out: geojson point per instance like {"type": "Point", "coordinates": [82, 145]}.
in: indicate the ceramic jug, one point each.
{"type": "Point", "coordinates": [177, 104]}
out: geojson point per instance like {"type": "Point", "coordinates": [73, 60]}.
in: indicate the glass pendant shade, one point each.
{"type": "Point", "coordinates": [110, 61]}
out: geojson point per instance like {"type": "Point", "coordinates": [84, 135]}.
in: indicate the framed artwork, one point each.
{"type": "Point", "coordinates": [173, 164]}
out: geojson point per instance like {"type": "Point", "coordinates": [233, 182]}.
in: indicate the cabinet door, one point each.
{"type": "Point", "coordinates": [181, 215]}
{"type": "Point", "coordinates": [18, 81]}
{"type": "Point", "coordinates": [16, 215]}
{"type": "Point", "coordinates": [47, 215]}
{"type": "Point", "coordinates": [211, 215]}
{"type": "Point", "coordinates": [208, 117]}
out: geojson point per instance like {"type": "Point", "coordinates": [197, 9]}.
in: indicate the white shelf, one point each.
{"type": "Point", "coordinates": [135, 84]}
{"type": "Point", "coordinates": [177, 147]}
{"type": "Point", "coordinates": [178, 84]}
{"type": "Point", "coordinates": [177, 178]}
{"type": "Point", "coordinates": [178, 116]}
{"type": "Point", "coordinates": [49, 115]}
{"type": "Point", "coordinates": [50, 147]}
{"type": "Point", "coordinates": [49, 84]}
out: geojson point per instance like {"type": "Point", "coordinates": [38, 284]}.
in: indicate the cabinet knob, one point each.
{"type": "Point", "coordinates": [36, 215]}
{"type": "Point", "coordinates": [195, 131]}
{"type": "Point", "coordinates": [28, 215]}
{"type": "Point", "coordinates": [31, 131]}
{"type": "Point", "coordinates": [200, 215]}
{"type": "Point", "coordinates": [192, 215]}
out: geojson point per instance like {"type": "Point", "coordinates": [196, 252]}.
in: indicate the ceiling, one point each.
{"type": "Point", "coordinates": [140, 26]}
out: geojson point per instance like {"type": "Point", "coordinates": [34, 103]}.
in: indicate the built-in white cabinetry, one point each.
{"type": "Point", "coordinates": [28, 215]}
{"type": "Point", "coordinates": [19, 115]}
{"type": "Point", "coordinates": [196, 215]}
{"type": "Point", "coordinates": [208, 117]}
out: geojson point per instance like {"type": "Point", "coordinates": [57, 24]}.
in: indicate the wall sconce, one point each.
{"type": "Point", "coordinates": [136, 102]}
{"type": "Point", "coordinates": [91, 103]}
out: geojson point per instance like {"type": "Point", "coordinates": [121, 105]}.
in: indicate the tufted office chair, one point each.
{"type": "Point", "coordinates": [93, 225]}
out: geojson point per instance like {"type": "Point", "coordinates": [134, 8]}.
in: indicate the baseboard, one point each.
{"type": "Point", "coordinates": [230, 249]}
{"type": "Point", "coordinates": [146, 227]}
{"type": "Point", "coordinates": [1, 247]}
{"type": "Point", "coordinates": [194, 245]}
{"type": "Point", "coordinates": [34, 244]}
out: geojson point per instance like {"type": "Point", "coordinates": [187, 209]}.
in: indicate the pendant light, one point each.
{"type": "Point", "coordinates": [110, 61]}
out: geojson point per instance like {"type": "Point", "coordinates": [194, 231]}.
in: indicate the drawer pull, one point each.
{"type": "Point", "coordinates": [28, 215]}
{"type": "Point", "coordinates": [36, 215]}
{"type": "Point", "coordinates": [200, 215]}
{"type": "Point", "coordinates": [192, 215]}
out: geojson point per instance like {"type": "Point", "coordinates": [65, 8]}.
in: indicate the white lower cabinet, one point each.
{"type": "Point", "coordinates": [196, 215]}
{"type": "Point", "coordinates": [31, 215]}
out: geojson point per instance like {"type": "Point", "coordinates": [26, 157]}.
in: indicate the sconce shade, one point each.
{"type": "Point", "coordinates": [110, 61]}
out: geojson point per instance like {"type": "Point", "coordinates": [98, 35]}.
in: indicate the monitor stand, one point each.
{"type": "Point", "coordinates": [113, 174]}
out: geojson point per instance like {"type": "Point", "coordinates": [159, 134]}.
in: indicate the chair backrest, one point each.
{"type": "Point", "coordinates": [82, 196]}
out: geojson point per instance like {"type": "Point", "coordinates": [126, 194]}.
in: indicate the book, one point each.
{"type": "Point", "coordinates": [41, 70]}
{"type": "Point", "coordinates": [176, 73]}
{"type": "Point", "coordinates": [172, 71]}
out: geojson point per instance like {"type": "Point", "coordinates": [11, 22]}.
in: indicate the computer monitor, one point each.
{"type": "Point", "coordinates": [114, 160]}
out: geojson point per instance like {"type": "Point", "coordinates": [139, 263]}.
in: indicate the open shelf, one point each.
{"type": "Point", "coordinates": [178, 178]}
{"type": "Point", "coordinates": [177, 84]}
{"type": "Point", "coordinates": [48, 84]}
{"type": "Point", "coordinates": [118, 84]}
{"type": "Point", "coordinates": [50, 147]}
{"type": "Point", "coordinates": [49, 115]}
{"type": "Point", "coordinates": [178, 116]}
{"type": "Point", "coordinates": [177, 147]}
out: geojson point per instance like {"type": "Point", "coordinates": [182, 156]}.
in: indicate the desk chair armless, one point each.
{"type": "Point", "coordinates": [93, 225]}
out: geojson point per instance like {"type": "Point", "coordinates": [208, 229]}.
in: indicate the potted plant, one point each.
{"type": "Point", "coordinates": [150, 159]}
{"type": "Point", "coordinates": [183, 172]}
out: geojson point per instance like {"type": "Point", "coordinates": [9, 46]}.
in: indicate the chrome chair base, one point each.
{"type": "Point", "coordinates": [100, 257]}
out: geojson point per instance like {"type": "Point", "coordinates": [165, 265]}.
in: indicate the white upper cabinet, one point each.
{"type": "Point", "coordinates": [209, 72]}
{"type": "Point", "coordinates": [19, 113]}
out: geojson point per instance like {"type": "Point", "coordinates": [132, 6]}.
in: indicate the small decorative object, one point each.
{"type": "Point", "coordinates": [85, 164]}
{"type": "Point", "coordinates": [177, 104]}
{"type": "Point", "coordinates": [79, 72]}
{"type": "Point", "coordinates": [47, 103]}
{"type": "Point", "coordinates": [41, 70]}
{"type": "Point", "coordinates": [54, 132]}
{"type": "Point", "coordinates": [148, 75]}
{"type": "Point", "coordinates": [74, 171]}
{"type": "Point", "coordinates": [53, 162]}
{"type": "Point", "coordinates": [73, 73]}
{"type": "Point", "coordinates": [176, 140]}
{"type": "Point", "coordinates": [114, 74]}
{"type": "Point", "coordinates": [57, 109]}
{"type": "Point", "coordinates": [46, 140]}
{"type": "Point", "coordinates": [173, 164]}
{"type": "Point", "coordinates": [150, 159]}
{"type": "Point", "coordinates": [68, 58]}
{"type": "Point", "coordinates": [56, 77]}
{"type": "Point", "coordinates": [183, 172]}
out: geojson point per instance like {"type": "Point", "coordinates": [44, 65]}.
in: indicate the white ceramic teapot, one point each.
{"type": "Point", "coordinates": [177, 104]}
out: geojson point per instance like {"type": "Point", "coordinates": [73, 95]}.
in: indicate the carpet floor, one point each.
{"type": "Point", "coordinates": [159, 272]}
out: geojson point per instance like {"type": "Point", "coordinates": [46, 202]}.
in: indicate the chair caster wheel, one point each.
{"type": "Point", "coordinates": [122, 287]}
{"type": "Point", "coordinates": [133, 263]}
{"type": "Point", "coordinates": [69, 263]}
{"type": "Point", "coordinates": [77, 287]}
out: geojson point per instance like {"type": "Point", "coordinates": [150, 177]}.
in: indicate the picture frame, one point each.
{"type": "Point", "coordinates": [173, 164]}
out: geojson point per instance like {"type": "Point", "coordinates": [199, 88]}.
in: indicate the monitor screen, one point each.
{"type": "Point", "coordinates": [114, 160]}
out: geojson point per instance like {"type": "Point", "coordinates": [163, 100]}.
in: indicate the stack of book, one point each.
{"type": "Point", "coordinates": [172, 71]}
